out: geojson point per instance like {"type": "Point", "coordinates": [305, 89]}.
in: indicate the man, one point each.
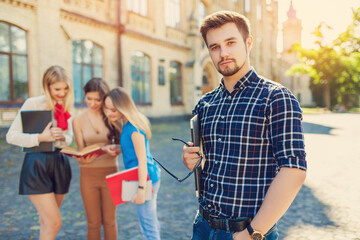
{"type": "Point", "coordinates": [252, 141]}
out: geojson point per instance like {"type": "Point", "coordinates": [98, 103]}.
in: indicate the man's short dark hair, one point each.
{"type": "Point", "coordinates": [218, 19]}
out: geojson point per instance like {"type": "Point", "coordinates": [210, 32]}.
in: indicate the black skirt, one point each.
{"type": "Point", "coordinates": [45, 172]}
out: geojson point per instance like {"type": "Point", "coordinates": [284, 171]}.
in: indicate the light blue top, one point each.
{"type": "Point", "coordinates": [129, 155]}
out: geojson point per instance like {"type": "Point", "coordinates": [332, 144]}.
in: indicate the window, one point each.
{"type": "Point", "coordinates": [172, 13]}
{"type": "Point", "coordinates": [137, 6]}
{"type": "Point", "coordinates": [87, 63]}
{"type": "Point", "coordinates": [140, 75]}
{"type": "Point", "coordinates": [247, 6]}
{"type": "Point", "coordinates": [13, 64]}
{"type": "Point", "coordinates": [259, 11]}
{"type": "Point", "coordinates": [205, 78]}
{"type": "Point", "coordinates": [201, 12]}
{"type": "Point", "coordinates": [175, 83]}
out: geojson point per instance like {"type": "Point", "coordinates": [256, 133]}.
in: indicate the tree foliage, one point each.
{"type": "Point", "coordinates": [334, 69]}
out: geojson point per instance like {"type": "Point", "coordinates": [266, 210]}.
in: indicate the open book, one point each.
{"type": "Point", "coordinates": [89, 150]}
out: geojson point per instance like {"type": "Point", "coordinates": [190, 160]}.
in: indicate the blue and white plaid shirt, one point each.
{"type": "Point", "coordinates": [248, 135]}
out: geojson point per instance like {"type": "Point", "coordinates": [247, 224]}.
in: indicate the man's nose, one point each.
{"type": "Point", "coordinates": [224, 53]}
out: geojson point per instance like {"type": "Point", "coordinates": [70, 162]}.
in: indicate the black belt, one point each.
{"type": "Point", "coordinates": [225, 224]}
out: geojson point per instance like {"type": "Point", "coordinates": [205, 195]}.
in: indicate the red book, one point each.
{"type": "Point", "coordinates": [115, 183]}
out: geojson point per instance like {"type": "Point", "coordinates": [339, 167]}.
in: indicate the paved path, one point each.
{"type": "Point", "coordinates": [326, 207]}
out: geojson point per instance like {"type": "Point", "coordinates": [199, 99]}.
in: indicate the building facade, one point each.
{"type": "Point", "coordinates": [298, 84]}
{"type": "Point", "coordinates": [153, 48]}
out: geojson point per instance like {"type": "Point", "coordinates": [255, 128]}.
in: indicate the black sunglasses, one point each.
{"type": "Point", "coordinates": [189, 174]}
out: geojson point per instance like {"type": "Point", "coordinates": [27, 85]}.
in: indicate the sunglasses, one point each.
{"type": "Point", "coordinates": [189, 174]}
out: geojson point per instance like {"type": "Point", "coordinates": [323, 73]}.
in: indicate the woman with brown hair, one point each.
{"type": "Point", "coordinates": [45, 176]}
{"type": "Point", "coordinates": [91, 127]}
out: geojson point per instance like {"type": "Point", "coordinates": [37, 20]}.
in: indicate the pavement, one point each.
{"type": "Point", "coordinates": [325, 208]}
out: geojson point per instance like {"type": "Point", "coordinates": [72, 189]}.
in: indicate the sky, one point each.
{"type": "Point", "coordinates": [335, 13]}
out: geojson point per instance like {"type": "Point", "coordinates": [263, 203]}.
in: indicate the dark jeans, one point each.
{"type": "Point", "coordinates": [203, 231]}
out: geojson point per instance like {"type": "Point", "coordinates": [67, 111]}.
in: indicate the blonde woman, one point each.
{"type": "Point", "coordinates": [134, 141]}
{"type": "Point", "coordinates": [45, 176]}
{"type": "Point", "coordinates": [91, 127]}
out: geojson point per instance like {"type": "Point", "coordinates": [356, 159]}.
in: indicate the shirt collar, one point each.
{"type": "Point", "coordinates": [244, 81]}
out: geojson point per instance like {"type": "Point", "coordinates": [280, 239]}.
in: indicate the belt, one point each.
{"type": "Point", "coordinates": [226, 224]}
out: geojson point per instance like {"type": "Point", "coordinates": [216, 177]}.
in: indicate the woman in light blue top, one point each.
{"type": "Point", "coordinates": [121, 111]}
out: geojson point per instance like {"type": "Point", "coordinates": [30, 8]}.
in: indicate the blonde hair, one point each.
{"type": "Point", "coordinates": [53, 75]}
{"type": "Point", "coordinates": [126, 106]}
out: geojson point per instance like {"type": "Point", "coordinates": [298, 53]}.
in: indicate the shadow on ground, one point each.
{"type": "Point", "coordinates": [177, 203]}
{"type": "Point", "coordinates": [316, 128]}
{"type": "Point", "coordinates": [305, 210]}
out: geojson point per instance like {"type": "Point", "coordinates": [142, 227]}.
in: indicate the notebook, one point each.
{"type": "Point", "coordinates": [196, 139]}
{"type": "Point", "coordinates": [130, 188]}
{"type": "Point", "coordinates": [116, 184]}
{"type": "Point", "coordinates": [35, 122]}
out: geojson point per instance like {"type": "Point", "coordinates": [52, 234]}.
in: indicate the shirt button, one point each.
{"type": "Point", "coordinates": [211, 185]}
{"type": "Point", "coordinates": [216, 162]}
{"type": "Point", "coordinates": [241, 88]}
{"type": "Point", "coordinates": [229, 97]}
{"type": "Point", "coordinates": [209, 206]}
{"type": "Point", "coordinates": [222, 117]}
{"type": "Point", "coordinates": [219, 139]}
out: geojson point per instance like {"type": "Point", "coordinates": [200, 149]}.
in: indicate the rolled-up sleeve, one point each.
{"type": "Point", "coordinates": [286, 130]}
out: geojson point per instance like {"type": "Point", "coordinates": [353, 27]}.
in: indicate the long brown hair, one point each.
{"type": "Point", "coordinates": [126, 106]}
{"type": "Point", "coordinates": [53, 75]}
{"type": "Point", "coordinates": [100, 86]}
{"type": "Point", "coordinates": [218, 19]}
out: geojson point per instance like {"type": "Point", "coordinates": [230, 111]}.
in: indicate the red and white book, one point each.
{"type": "Point", "coordinates": [123, 185]}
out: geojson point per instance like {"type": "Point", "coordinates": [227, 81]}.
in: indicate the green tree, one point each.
{"type": "Point", "coordinates": [334, 69]}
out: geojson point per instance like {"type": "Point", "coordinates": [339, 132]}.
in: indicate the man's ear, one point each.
{"type": "Point", "coordinates": [249, 42]}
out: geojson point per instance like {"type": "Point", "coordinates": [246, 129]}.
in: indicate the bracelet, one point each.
{"type": "Point", "coordinates": [141, 187]}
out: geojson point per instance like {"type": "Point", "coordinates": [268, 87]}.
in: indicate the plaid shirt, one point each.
{"type": "Point", "coordinates": [248, 135]}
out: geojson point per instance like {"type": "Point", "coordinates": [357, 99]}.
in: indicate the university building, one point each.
{"type": "Point", "coordinates": [298, 84]}
{"type": "Point", "coordinates": [152, 48]}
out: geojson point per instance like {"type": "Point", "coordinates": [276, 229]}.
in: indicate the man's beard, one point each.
{"type": "Point", "coordinates": [229, 71]}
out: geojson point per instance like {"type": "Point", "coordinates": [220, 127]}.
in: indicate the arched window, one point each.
{"type": "Point", "coordinates": [175, 79]}
{"type": "Point", "coordinates": [201, 12]}
{"type": "Point", "coordinates": [13, 64]}
{"type": "Point", "coordinates": [140, 75]}
{"type": "Point", "coordinates": [87, 63]}
{"type": "Point", "coordinates": [172, 13]}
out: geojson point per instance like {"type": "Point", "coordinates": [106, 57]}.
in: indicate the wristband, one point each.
{"type": "Point", "coordinates": [141, 187]}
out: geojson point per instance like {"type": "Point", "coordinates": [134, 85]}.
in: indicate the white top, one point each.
{"type": "Point", "coordinates": [15, 133]}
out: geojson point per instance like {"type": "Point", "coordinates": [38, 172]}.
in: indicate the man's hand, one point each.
{"type": "Point", "coordinates": [190, 158]}
{"type": "Point", "coordinates": [243, 235]}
